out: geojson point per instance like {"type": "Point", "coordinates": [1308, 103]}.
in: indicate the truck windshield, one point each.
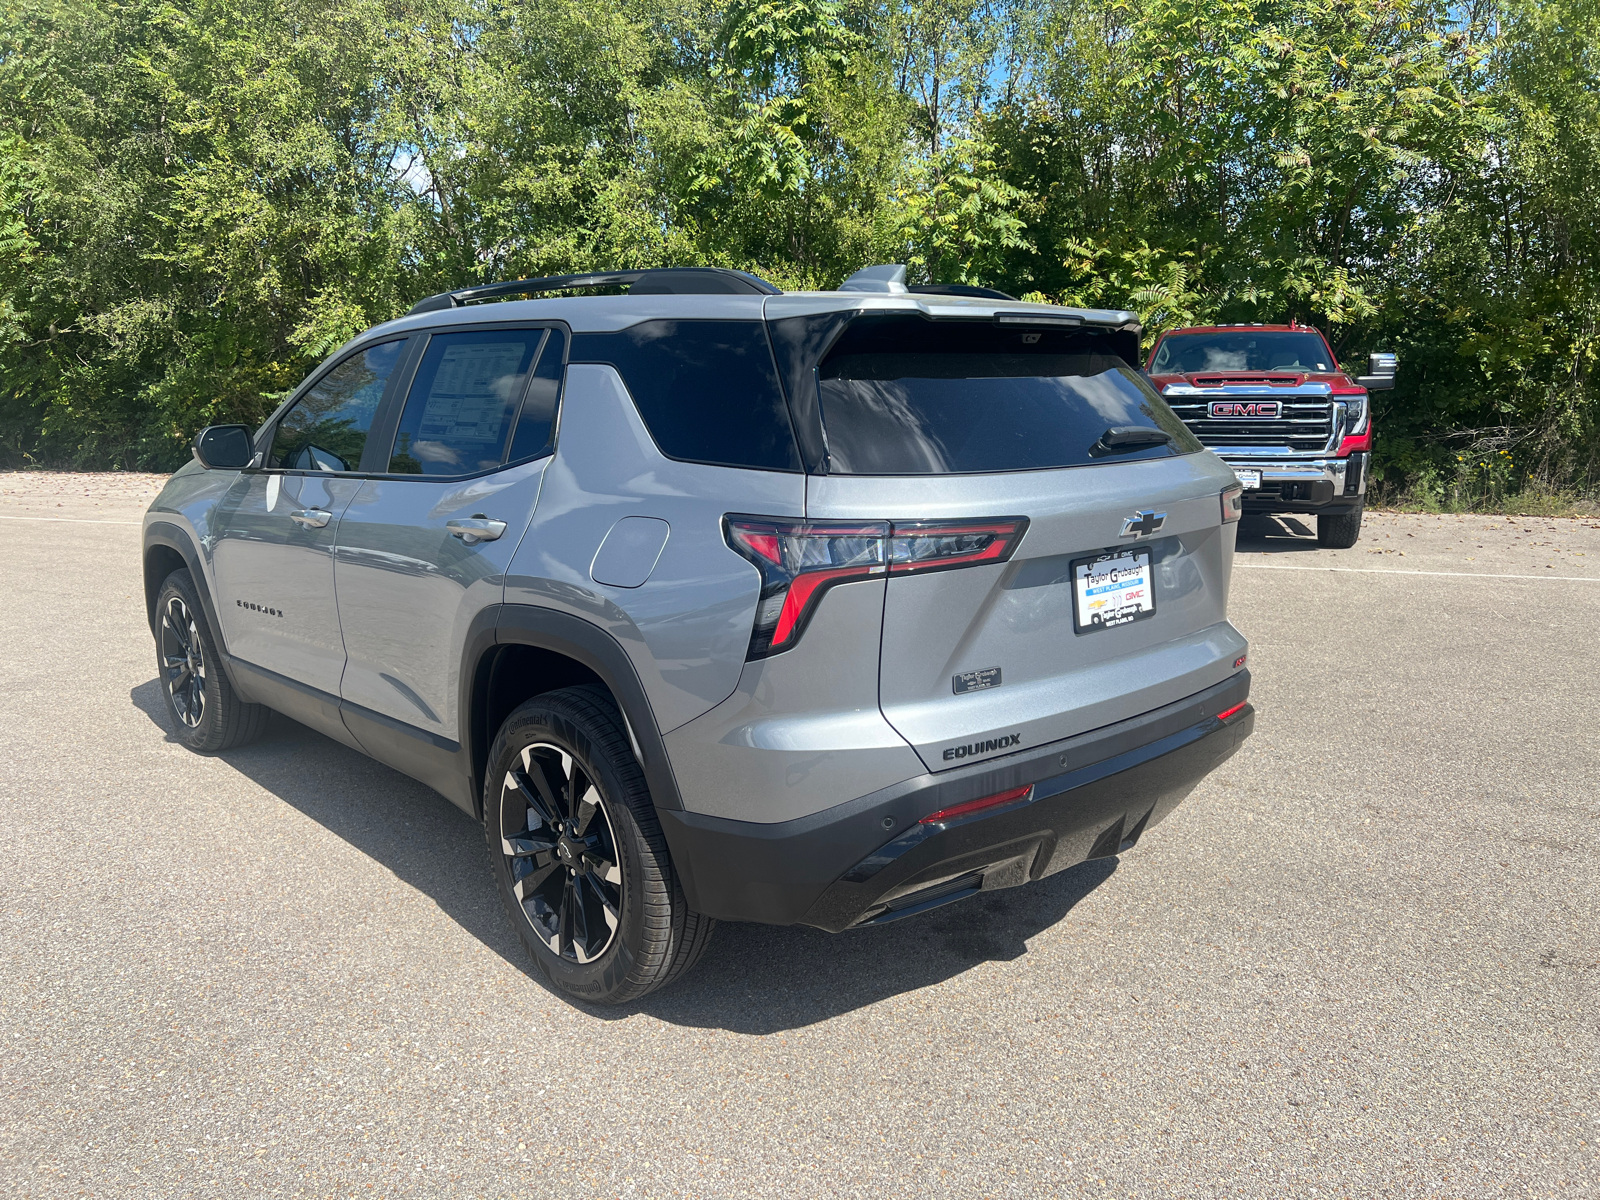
{"type": "Point", "coordinates": [1241, 350]}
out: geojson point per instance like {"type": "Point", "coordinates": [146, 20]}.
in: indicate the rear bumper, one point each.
{"type": "Point", "coordinates": [871, 860]}
{"type": "Point", "coordinates": [1307, 485]}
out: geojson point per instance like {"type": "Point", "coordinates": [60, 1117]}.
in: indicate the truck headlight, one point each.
{"type": "Point", "coordinates": [1355, 414]}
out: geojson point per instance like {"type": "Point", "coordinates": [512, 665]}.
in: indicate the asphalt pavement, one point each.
{"type": "Point", "coordinates": [1360, 960]}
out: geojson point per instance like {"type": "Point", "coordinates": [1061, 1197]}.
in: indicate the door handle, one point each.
{"type": "Point", "coordinates": [473, 530]}
{"type": "Point", "coordinates": [310, 518]}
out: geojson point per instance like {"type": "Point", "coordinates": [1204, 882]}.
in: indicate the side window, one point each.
{"type": "Point", "coordinates": [536, 424]}
{"type": "Point", "coordinates": [707, 390]}
{"type": "Point", "coordinates": [466, 395]}
{"type": "Point", "coordinates": [327, 428]}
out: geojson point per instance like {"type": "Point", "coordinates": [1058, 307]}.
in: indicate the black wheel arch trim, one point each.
{"type": "Point", "coordinates": [175, 537]}
{"type": "Point", "coordinates": [585, 643]}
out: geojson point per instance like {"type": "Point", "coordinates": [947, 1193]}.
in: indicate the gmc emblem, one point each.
{"type": "Point", "coordinates": [1243, 410]}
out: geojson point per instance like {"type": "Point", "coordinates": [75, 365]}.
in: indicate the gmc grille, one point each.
{"type": "Point", "coordinates": [1305, 426]}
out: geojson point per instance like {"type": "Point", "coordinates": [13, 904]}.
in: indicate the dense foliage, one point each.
{"type": "Point", "coordinates": [199, 201]}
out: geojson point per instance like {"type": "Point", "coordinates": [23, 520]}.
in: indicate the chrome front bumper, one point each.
{"type": "Point", "coordinates": [1333, 471]}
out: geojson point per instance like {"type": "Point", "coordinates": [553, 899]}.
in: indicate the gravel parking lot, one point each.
{"type": "Point", "coordinates": [1361, 960]}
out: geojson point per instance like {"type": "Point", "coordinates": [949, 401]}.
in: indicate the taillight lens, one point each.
{"type": "Point", "coordinates": [800, 560]}
{"type": "Point", "coordinates": [1232, 502]}
{"type": "Point", "coordinates": [920, 546]}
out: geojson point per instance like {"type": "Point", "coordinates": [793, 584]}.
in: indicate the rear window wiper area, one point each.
{"type": "Point", "coordinates": [1121, 439]}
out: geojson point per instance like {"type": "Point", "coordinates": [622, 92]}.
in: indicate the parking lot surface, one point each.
{"type": "Point", "coordinates": [1360, 960]}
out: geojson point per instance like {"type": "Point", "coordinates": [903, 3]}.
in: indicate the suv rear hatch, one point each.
{"type": "Point", "coordinates": [965, 429]}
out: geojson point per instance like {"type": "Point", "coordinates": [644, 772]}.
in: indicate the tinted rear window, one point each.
{"type": "Point", "coordinates": [915, 397]}
{"type": "Point", "coordinates": [1241, 350]}
{"type": "Point", "coordinates": [707, 390]}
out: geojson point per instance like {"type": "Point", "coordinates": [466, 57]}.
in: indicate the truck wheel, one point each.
{"type": "Point", "coordinates": [578, 854]}
{"type": "Point", "coordinates": [1340, 532]}
{"type": "Point", "coordinates": [206, 711]}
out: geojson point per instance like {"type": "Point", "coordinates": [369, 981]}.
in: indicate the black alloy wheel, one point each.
{"type": "Point", "coordinates": [183, 662]}
{"type": "Point", "coordinates": [561, 853]}
{"type": "Point", "coordinates": [207, 714]}
{"type": "Point", "coordinates": [578, 854]}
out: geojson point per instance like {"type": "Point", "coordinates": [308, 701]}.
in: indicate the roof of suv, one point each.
{"type": "Point", "coordinates": [607, 314]}
{"type": "Point", "coordinates": [690, 293]}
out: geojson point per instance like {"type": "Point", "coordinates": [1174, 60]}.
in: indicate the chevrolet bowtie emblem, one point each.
{"type": "Point", "coordinates": [1143, 524]}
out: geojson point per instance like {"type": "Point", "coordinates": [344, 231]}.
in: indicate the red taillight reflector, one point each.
{"type": "Point", "coordinates": [973, 806]}
{"type": "Point", "coordinates": [1239, 662]}
{"type": "Point", "coordinates": [1223, 716]}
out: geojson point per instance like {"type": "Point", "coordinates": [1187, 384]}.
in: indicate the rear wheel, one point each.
{"type": "Point", "coordinates": [1339, 532]}
{"type": "Point", "coordinates": [206, 712]}
{"type": "Point", "coordinates": [578, 855]}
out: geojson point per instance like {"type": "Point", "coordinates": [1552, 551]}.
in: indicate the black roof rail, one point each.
{"type": "Point", "coordinates": [960, 289]}
{"type": "Point", "coordinates": [658, 281]}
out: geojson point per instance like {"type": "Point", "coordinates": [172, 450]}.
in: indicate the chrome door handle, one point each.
{"type": "Point", "coordinates": [473, 530]}
{"type": "Point", "coordinates": [310, 518]}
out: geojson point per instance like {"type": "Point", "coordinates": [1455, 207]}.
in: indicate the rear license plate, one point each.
{"type": "Point", "coordinates": [1250, 479]}
{"type": "Point", "coordinates": [1111, 589]}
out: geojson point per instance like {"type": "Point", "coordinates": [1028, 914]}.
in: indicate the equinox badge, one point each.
{"type": "Point", "coordinates": [1143, 524]}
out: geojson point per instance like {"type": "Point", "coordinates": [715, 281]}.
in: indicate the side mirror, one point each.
{"type": "Point", "coordinates": [224, 447]}
{"type": "Point", "coordinates": [1383, 368]}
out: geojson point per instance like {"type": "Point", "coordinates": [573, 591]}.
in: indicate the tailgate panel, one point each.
{"type": "Point", "coordinates": [1018, 616]}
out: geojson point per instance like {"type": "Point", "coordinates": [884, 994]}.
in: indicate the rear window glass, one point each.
{"type": "Point", "coordinates": [917, 397]}
{"type": "Point", "coordinates": [707, 390]}
{"type": "Point", "coordinates": [467, 393]}
{"type": "Point", "coordinates": [1241, 350]}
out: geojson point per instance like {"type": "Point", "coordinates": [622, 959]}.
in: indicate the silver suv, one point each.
{"type": "Point", "coordinates": [715, 601]}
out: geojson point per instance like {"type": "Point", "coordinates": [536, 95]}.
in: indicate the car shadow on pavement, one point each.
{"type": "Point", "coordinates": [1264, 534]}
{"type": "Point", "coordinates": [754, 978]}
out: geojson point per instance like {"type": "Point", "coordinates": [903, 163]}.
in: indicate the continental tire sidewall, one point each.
{"type": "Point", "coordinates": [620, 963]}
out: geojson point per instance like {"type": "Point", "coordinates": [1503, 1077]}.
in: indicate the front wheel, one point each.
{"type": "Point", "coordinates": [1339, 532]}
{"type": "Point", "coordinates": [578, 855]}
{"type": "Point", "coordinates": [207, 713]}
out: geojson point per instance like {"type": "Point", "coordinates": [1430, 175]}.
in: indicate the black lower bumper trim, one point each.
{"type": "Point", "coordinates": [1127, 776]}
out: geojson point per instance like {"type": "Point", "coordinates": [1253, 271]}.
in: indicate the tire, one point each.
{"type": "Point", "coordinates": [586, 879]}
{"type": "Point", "coordinates": [1340, 532]}
{"type": "Point", "coordinates": [207, 714]}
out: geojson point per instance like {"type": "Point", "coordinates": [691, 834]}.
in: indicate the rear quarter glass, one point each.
{"type": "Point", "coordinates": [707, 390]}
{"type": "Point", "coordinates": [908, 396]}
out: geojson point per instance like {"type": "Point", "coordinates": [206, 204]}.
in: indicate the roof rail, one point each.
{"type": "Point", "coordinates": [659, 281]}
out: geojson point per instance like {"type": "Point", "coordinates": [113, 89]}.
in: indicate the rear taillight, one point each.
{"type": "Point", "coordinates": [800, 560]}
{"type": "Point", "coordinates": [919, 546]}
{"type": "Point", "coordinates": [1232, 502]}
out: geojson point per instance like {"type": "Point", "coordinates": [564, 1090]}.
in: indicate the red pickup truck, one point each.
{"type": "Point", "coordinates": [1275, 405]}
